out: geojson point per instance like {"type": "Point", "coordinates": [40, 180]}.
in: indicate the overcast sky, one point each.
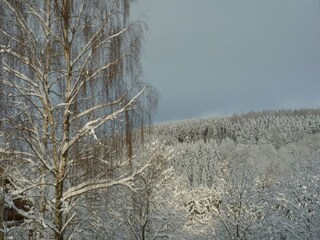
{"type": "Point", "coordinates": [220, 57]}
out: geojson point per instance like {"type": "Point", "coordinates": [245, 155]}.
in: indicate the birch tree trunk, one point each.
{"type": "Point", "coordinates": [70, 80]}
{"type": "Point", "coordinates": [2, 205]}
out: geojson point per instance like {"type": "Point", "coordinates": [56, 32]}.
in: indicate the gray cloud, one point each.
{"type": "Point", "coordinates": [222, 57]}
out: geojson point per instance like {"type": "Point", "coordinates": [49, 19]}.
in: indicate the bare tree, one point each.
{"type": "Point", "coordinates": [70, 81]}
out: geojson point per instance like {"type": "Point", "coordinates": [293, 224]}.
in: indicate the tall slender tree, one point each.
{"type": "Point", "coordinates": [70, 80]}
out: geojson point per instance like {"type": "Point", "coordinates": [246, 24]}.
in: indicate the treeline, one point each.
{"type": "Point", "coordinates": [278, 127]}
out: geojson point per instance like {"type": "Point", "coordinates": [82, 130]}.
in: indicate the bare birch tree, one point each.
{"type": "Point", "coordinates": [70, 80]}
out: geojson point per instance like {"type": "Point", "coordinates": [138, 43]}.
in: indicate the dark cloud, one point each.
{"type": "Point", "coordinates": [222, 57]}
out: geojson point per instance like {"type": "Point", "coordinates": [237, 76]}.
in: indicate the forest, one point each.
{"type": "Point", "coordinates": [253, 176]}
{"type": "Point", "coordinates": [81, 159]}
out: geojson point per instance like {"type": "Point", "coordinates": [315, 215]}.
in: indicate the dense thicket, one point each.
{"type": "Point", "coordinates": [254, 176]}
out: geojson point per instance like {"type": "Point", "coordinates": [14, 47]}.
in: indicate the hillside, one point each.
{"type": "Point", "coordinates": [253, 127]}
{"type": "Point", "coordinates": [254, 176]}
{"type": "Point", "coordinates": [251, 176]}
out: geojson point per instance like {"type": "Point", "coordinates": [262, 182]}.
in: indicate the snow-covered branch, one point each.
{"type": "Point", "coordinates": [94, 124]}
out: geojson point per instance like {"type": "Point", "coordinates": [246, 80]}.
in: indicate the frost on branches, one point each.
{"type": "Point", "coordinates": [71, 103]}
{"type": "Point", "coordinates": [248, 190]}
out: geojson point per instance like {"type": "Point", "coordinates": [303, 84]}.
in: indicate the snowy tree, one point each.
{"type": "Point", "coordinates": [295, 210]}
{"type": "Point", "coordinates": [242, 187]}
{"type": "Point", "coordinates": [70, 84]}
